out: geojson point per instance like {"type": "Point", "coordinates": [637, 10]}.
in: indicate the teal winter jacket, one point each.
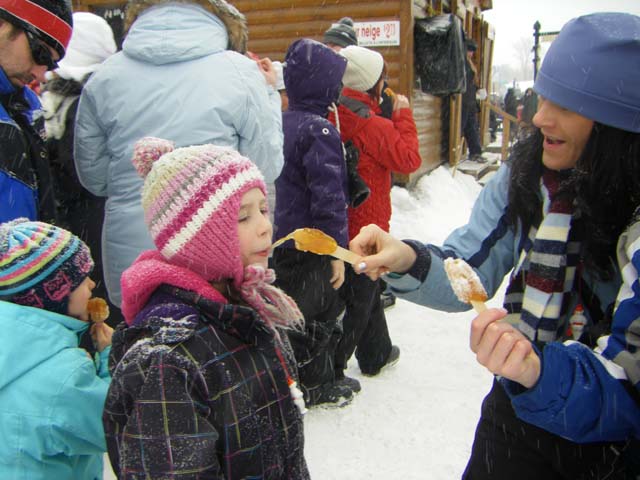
{"type": "Point", "coordinates": [51, 397]}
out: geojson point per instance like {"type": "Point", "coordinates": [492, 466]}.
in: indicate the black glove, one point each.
{"type": "Point", "coordinates": [358, 189]}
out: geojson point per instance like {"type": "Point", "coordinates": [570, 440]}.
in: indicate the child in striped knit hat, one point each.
{"type": "Point", "coordinates": [203, 374]}
{"type": "Point", "coordinates": [51, 392]}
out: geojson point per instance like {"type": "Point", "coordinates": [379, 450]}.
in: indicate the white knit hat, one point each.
{"type": "Point", "coordinates": [364, 68]}
{"type": "Point", "coordinates": [91, 44]}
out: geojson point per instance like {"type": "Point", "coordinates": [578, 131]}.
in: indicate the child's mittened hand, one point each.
{"type": "Point", "coordinates": [101, 334]}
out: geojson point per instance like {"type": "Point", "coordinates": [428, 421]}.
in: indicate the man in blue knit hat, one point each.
{"type": "Point", "coordinates": [561, 220]}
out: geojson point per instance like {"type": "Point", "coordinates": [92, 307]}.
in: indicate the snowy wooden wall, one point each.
{"type": "Point", "coordinates": [274, 24]}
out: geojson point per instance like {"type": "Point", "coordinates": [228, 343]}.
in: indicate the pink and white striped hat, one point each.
{"type": "Point", "coordinates": [191, 200]}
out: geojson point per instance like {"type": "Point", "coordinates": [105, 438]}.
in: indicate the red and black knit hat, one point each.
{"type": "Point", "coordinates": [49, 20]}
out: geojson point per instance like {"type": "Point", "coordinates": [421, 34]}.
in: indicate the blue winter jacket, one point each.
{"type": "Point", "coordinates": [18, 177]}
{"type": "Point", "coordinates": [51, 397]}
{"type": "Point", "coordinates": [174, 79]}
{"type": "Point", "coordinates": [312, 189]}
{"type": "Point", "coordinates": [582, 394]}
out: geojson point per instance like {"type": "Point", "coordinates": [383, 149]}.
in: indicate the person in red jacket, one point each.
{"type": "Point", "coordinates": [385, 146]}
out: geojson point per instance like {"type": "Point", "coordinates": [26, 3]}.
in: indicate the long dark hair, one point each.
{"type": "Point", "coordinates": [605, 185]}
{"type": "Point", "coordinates": [373, 91]}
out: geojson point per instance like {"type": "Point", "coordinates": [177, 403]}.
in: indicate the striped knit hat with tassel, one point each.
{"type": "Point", "coordinates": [191, 201]}
{"type": "Point", "coordinates": [40, 265]}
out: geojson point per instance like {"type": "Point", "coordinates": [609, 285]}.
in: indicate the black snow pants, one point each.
{"type": "Point", "coordinates": [364, 326]}
{"type": "Point", "coordinates": [507, 448]}
{"type": "Point", "coordinates": [306, 278]}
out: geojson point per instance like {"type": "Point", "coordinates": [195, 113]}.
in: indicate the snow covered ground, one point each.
{"type": "Point", "coordinates": [416, 420]}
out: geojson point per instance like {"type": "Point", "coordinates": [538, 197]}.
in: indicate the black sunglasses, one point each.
{"type": "Point", "coordinates": [40, 52]}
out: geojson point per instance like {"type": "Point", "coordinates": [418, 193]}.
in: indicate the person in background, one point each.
{"type": "Point", "coordinates": [341, 35]}
{"type": "Point", "coordinates": [312, 192]}
{"type": "Point", "coordinates": [182, 74]}
{"type": "Point", "coordinates": [385, 146]}
{"type": "Point", "coordinates": [204, 379]}
{"type": "Point", "coordinates": [51, 392]}
{"type": "Point", "coordinates": [511, 102]}
{"type": "Point", "coordinates": [562, 219]}
{"type": "Point", "coordinates": [78, 210]}
{"type": "Point", "coordinates": [529, 106]}
{"type": "Point", "coordinates": [469, 122]}
{"type": "Point", "coordinates": [34, 35]}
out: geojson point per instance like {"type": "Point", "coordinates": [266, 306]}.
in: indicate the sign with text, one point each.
{"type": "Point", "coordinates": [377, 34]}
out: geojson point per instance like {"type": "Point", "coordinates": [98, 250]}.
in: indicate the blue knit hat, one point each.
{"type": "Point", "coordinates": [40, 265]}
{"type": "Point", "coordinates": [593, 69]}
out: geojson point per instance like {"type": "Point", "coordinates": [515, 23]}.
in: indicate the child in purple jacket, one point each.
{"type": "Point", "coordinates": [312, 192]}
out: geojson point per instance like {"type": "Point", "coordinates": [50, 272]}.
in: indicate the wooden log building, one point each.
{"type": "Point", "coordinates": [385, 25]}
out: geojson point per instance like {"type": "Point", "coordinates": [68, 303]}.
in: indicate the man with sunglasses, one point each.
{"type": "Point", "coordinates": [34, 35]}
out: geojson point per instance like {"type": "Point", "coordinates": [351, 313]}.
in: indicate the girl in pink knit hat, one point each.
{"type": "Point", "coordinates": [204, 379]}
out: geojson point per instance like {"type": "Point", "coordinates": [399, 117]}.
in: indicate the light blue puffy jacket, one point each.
{"type": "Point", "coordinates": [174, 79]}
{"type": "Point", "coordinates": [51, 398]}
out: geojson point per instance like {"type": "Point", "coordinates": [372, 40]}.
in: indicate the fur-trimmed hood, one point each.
{"type": "Point", "coordinates": [234, 21]}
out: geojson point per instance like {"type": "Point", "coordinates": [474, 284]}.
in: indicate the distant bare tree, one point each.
{"type": "Point", "coordinates": [503, 76]}
{"type": "Point", "coordinates": [523, 53]}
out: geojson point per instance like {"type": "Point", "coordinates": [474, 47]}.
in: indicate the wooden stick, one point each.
{"type": "Point", "coordinates": [346, 255]}
{"type": "Point", "coordinates": [478, 305]}
{"type": "Point", "coordinates": [281, 241]}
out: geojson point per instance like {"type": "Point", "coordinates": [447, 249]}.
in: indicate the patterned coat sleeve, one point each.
{"type": "Point", "coordinates": [156, 420]}
{"type": "Point", "coordinates": [623, 346]}
{"type": "Point", "coordinates": [592, 395]}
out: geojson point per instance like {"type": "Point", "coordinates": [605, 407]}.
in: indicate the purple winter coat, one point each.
{"type": "Point", "coordinates": [311, 190]}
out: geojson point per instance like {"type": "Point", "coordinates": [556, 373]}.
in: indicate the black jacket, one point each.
{"type": "Point", "coordinates": [198, 391]}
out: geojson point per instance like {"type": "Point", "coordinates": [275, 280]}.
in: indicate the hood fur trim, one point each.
{"type": "Point", "coordinates": [234, 21]}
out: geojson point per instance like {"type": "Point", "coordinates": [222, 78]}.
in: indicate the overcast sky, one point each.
{"type": "Point", "coordinates": [513, 19]}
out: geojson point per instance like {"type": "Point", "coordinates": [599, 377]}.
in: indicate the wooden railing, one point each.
{"type": "Point", "coordinates": [507, 120]}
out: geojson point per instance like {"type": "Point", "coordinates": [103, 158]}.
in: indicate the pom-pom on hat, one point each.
{"type": "Point", "coordinates": [191, 201]}
{"type": "Point", "coordinates": [49, 20]}
{"type": "Point", "coordinates": [593, 68]}
{"type": "Point", "coordinates": [342, 33]}
{"type": "Point", "coordinates": [40, 265]}
{"type": "Point", "coordinates": [91, 44]}
{"type": "Point", "coordinates": [364, 68]}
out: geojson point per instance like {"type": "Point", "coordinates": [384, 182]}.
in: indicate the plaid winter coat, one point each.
{"type": "Point", "coordinates": [199, 392]}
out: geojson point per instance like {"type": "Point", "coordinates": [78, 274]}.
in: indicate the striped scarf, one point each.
{"type": "Point", "coordinates": [537, 297]}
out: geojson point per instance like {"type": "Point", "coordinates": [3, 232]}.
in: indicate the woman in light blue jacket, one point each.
{"type": "Point", "coordinates": [176, 78]}
{"type": "Point", "coordinates": [562, 221]}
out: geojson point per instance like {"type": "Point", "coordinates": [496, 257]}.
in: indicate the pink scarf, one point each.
{"type": "Point", "coordinates": [273, 305]}
{"type": "Point", "coordinates": [151, 269]}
